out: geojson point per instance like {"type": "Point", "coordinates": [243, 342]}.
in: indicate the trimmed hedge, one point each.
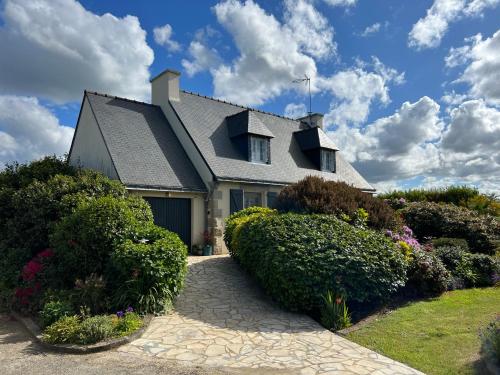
{"type": "Point", "coordinates": [234, 223]}
{"type": "Point", "coordinates": [84, 240]}
{"type": "Point", "coordinates": [298, 258]}
{"type": "Point", "coordinates": [149, 271]}
{"type": "Point", "coordinates": [446, 220]}
{"type": "Point", "coordinates": [314, 195]}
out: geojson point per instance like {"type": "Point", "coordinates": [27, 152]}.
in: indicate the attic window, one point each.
{"type": "Point", "coordinates": [327, 160]}
{"type": "Point", "coordinates": [259, 150]}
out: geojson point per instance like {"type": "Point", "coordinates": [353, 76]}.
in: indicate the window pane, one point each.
{"type": "Point", "coordinates": [259, 149]}
{"type": "Point", "coordinates": [252, 199]}
{"type": "Point", "coordinates": [327, 160]}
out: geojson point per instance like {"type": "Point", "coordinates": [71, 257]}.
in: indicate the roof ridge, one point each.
{"type": "Point", "coordinates": [238, 105]}
{"type": "Point", "coordinates": [118, 97]}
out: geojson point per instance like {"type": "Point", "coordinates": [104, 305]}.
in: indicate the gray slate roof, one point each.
{"type": "Point", "coordinates": [144, 149]}
{"type": "Point", "coordinates": [205, 120]}
{"type": "Point", "coordinates": [247, 122]}
{"type": "Point", "coordinates": [312, 138]}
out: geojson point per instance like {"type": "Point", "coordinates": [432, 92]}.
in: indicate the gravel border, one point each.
{"type": "Point", "coordinates": [35, 331]}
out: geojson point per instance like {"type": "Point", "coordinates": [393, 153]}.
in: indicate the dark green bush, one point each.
{"type": "Point", "coordinates": [486, 269]}
{"type": "Point", "coordinates": [445, 220]}
{"type": "Point", "coordinates": [91, 293]}
{"type": "Point", "coordinates": [149, 271]}
{"type": "Point", "coordinates": [29, 213]}
{"type": "Point", "coordinates": [427, 276]}
{"type": "Point", "coordinates": [96, 328]}
{"type": "Point", "coordinates": [64, 331]}
{"type": "Point", "coordinates": [298, 258]}
{"type": "Point", "coordinates": [316, 195]}
{"type": "Point", "coordinates": [235, 221]}
{"type": "Point", "coordinates": [452, 194]}
{"type": "Point", "coordinates": [55, 310]}
{"type": "Point", "coordinates": [453, 242]}
{"type": "Point", "coordinates": [84, 240]}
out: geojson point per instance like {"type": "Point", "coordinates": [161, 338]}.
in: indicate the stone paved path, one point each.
{"type": "Point", "coordinates": [222, 319]}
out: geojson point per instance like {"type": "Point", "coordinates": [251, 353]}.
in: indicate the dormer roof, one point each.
{"type": "Point", "coordinates": [246, 122]}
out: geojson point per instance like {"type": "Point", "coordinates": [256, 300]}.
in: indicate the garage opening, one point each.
{"type": "Point", "coordinates": [173, 214]}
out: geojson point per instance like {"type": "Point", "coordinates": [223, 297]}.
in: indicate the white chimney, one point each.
{"type": "Point", "coordinates": [313, 120]}
{"type": "Point", "coordinates": [165, 87]}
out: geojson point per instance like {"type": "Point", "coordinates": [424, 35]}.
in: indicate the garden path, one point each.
{"type": "Point", "coordinates": [222, 319]}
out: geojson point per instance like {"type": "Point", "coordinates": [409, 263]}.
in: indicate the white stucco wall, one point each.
{"type": "Point", "coordinates": [89, 149]}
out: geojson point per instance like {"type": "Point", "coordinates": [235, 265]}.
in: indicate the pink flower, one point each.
{"type": "Point", "coordinates": [47, 253]}
{"type": "Point", "coordinates": [30, 270]}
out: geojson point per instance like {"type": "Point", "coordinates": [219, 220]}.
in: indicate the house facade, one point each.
{"type": "Point", "coordinates": [197, 159]}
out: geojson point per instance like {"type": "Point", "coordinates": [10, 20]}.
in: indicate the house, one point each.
{"type": "Point", "coordinates": [197, 159]}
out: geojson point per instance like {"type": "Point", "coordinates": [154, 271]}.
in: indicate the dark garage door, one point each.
{"type": "Point", "coordinates": [173, 214]}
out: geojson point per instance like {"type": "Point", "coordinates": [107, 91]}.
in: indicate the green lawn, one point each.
{"type": "Point", "coordinates": [438, 336]}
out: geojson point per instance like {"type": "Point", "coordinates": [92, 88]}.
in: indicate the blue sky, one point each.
{"type": "Point", "coordinates": [408, 88]}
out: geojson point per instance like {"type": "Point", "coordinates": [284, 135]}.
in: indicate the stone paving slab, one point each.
{"type": "Point", "coordinates": [221, 319]}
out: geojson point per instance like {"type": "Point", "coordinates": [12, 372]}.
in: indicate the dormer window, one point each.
{"type": "Point", "coordinates": [259, 149]}
{"type": "Point", "coordinates": [328, 160]}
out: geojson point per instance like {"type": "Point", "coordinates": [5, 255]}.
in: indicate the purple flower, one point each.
{"type": "Point", "coordinates": [120, 314]}
{"type": "Point", "coordinates": [129, 309]}
{"type": "Point", "coordinates": [402, 200]}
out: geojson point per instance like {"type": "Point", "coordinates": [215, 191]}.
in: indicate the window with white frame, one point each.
{"type": "Point", "coordinates": [259, 149]}
{"type": "Point", "coordinates": [328, 160]}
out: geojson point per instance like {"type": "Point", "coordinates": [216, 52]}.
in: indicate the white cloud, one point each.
{"type": "Point", "coordinates": [55, 49]}
{"type": "Point", "coordinates": [270, 56]}
{"type": "Point", "coordinates": [415, 143]}
{"type": "Point", "coordinates": [29, 131]}
{"type": "Point", "coordinates": [163, 36]}
{"type": "Point", "coordinates": [310, 29]}
{"type": "Point", "coordinates": [372, 29]}
{"type": "Point", "coordinates": [341, 3]}
{"type": "Point", "coordinates": [483, 70]}
{"type": "Point", "coordinates": [453, 98]}
{"type": "Point", "coordinates": [295, 110]}
{"type": "Point", "coordinates": [428, 31]}
{"type": "Point", "coordinates": [202, 58]}
{"type": "Point", "coordinates": [356, 89]}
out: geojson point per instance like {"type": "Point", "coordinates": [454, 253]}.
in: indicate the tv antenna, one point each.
{"type": "Point", "coordinates": [307, 81]}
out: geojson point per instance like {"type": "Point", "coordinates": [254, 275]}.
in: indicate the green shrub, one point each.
{"type": "Point", "coordinates": [91, 293]}
{"type": "Point", "coordinates": [453, 242]}
{"type": "Point", "coordinates": [148, 272]}
{"type": "Point", "coordinates": [334, 312]}
{"type": "Point", "coordinates": [445, 220]}
{"type": "Point", "coordinates": [53, 311]}
{"type": "Point", "coordinates": [451, 194]}
{"type": "Point", "coordinates": [298, 258]}
{"type": "Point", "coordinates": [485, 268]}
{"type": "Point", "coordinates": [127, 324]}
{"type": "Point", "coordinates": [30, 211]}
{"type": "Point", "coordinates": [64, 331]}
{"type": "Point", "coordinates": [316, 195]}
{"type": "Point", "coordinates": [96, 328]}
{"type": "Point", "coordinates": [490, 342]}
{"type": "Point", "coordinates": [427, 276]}
{"type": "Point", "coordinates": [235, 222]}
{"type": "Point", "coordinates": [84, 240]}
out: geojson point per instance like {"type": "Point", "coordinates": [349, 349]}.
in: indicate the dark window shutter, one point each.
{"type": "Point", "coordinates": [235, 200]}
{"type": "Point", "coordinates": [271, 199]}
{"type": "Point", "coordinates": [268, 151]}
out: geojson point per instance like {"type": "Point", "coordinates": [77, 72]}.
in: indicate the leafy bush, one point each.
{"type": "Point", "coordinates": [334, 312]}
{"type": "Point", "coordinates": [445, 220]}
{"type": "Point", "coordinates": [490, 342]}
{"type": "Point", "coordinates": [427, 276]}
{"type": "Point", "coordinates": [486, 269]}
{"type": "Point", "coordinates": [234, 223]}
{"type": "Point", "coordinates": [149, 271]}
{"type": "Point", "coordinates": [29, 213]}
{"type": "Point", "coordinates": [453, 242]}
{"type": "Point", "coordinates": [316, 195]}
{"type": "Point", "coordinates": [53, 311]}
{"type": "Point", "coordinates": [91, 293]}
{"type": "Point", "coordinates": [451, 194]}
{"type": "Point", "coordinates": [127, 323]}
{"type": "Point", "coordinates": [298, 258]}
{"type": "Point", "coordinates": [84, 240]}
{"type": "Point", "coordinates": [65, 330]}
{"type": "Point", "coordinates": [96, 328]}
